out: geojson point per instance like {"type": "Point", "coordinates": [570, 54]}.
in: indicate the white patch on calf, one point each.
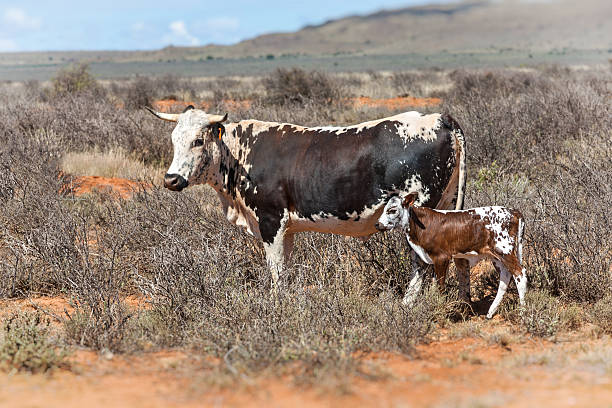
{"type": "Point", "coordinates": [494, 218]}
{"type": "Point", "coordinates": [419, 251]}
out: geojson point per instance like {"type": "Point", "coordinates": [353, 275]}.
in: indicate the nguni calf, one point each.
{"type": "Point", "coordinates": [439, 236]}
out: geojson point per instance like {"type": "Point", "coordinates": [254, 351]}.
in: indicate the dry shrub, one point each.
{"type": "Point", "coordinates": [407, 83]}
{"type": "Point", "coordinates": [295, 86]}
{"type": "Point", "coordinates": [143, 91]}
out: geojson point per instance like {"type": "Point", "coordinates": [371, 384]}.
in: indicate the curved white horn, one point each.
{"type": "Point", "coordinates": [170, 117]}
{"type": "Point", "coordinates": [217, 118]}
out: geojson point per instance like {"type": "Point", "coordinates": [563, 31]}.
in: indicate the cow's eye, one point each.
{"type": "Point", "coordinates": [392, 210]}
{"type": "Point", "coordinates": [197, 143]}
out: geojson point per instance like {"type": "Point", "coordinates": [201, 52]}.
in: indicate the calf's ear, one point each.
{"type": "Point", "coordinates": [410, 199]}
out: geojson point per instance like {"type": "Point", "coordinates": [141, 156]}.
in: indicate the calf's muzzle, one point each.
{"type": "Point", "coordinates": [174, 182]}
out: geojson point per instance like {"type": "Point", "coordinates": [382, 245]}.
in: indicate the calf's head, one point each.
{"type": "Point", "coordinates": [194, 141]}
{"type": "Point", "coordinates": [397, 213]}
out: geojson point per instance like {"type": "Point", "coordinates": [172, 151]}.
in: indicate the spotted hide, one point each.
{"type": "Point", "coordinates": [276, 179]}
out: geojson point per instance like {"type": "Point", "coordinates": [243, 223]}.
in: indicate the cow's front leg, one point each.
{"type": "Point", "coordinates": [278, 244]}
{"type": "Point", "coordinates": [419, 268]}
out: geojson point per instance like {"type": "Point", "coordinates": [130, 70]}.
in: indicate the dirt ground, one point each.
{"type": "Point", "coordinates": [113, 186]}
{"type": "Point", "coordinates": [489, 366]}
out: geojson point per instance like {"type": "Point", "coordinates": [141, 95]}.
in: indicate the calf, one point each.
{"type": "Point", "coordinates": [438, 236]}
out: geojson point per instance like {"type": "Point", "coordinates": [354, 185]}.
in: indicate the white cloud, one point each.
{"type": "Point", "coordinates": [17, 18]}
{"type": "Point", "coordinates": [7, 45]}
{"type": "Point", "coordinates": [179, 35]}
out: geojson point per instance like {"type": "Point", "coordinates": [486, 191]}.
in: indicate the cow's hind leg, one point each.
{"type": "Point", "coordinates": [504, 280]}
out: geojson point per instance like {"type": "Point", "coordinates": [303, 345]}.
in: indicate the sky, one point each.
{"type": "Point", "coordinates": [61, 25]}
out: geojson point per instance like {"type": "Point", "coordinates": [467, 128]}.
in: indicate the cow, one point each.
{"type": "Point", "coordinates": [438, 236]}
{"type": "Point", "coordinates": [277, 179]}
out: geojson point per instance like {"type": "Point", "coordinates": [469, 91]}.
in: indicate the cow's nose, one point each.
{"type": "Point", "coordinates": [174, 182]}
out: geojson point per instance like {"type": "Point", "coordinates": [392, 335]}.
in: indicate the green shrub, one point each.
{"type": "Point", "coordinates": [25, 345]}
{"type": "Point", "coordinates": [601, 314]}
{"type": "Point", "coordinates": [541, 315]}
{"type": "Point", "coordinates": [74, 80]}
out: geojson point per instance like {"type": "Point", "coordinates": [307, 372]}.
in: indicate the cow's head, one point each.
{"type": "Point", "coordinates": [194, 142]}
{"type": "Point", "coordinates": [396, 213]}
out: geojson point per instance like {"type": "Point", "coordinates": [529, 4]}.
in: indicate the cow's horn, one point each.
{"type": "Point", "coordinates": [217, 118]}
{"type": "Point", "coordinates": [170, 117]}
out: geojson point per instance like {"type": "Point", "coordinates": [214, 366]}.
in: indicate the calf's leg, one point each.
{"type": "Point", "coordinates": [521, 285]}
{"type": "Point", "coordinates": [463, 276]}
{"type": "Point", "coordinates": [504, 279]}
{"type": "Point", "coordinates": [440, 269]}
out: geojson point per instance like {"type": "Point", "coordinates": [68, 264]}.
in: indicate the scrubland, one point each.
{"type": "Point", "coordinates": [165, 271]}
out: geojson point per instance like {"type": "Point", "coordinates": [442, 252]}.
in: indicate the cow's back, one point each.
{"type": "Point", "coordinates": [337, 179]}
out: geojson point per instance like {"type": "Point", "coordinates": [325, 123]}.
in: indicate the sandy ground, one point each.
{"type": "Point", "coordinates": [451, 371]}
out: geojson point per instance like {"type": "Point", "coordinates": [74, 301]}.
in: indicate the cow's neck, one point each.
{"type": "Point", "coordinates": [225, 173]}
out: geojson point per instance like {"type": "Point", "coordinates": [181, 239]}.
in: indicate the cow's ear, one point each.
{"type": "Point", "coordinates": [410, 199]}
{"type": "Point", "coordinates": [217, 131]}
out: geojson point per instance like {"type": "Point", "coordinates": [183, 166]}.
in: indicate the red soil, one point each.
{"type": "Point", "coordinates": [114, 186]}
{"type": "Point", "coordinates": [447, 372]}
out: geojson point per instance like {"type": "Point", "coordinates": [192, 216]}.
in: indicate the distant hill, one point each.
{"type": "Point", "coordinates": [470, 26]}
{"type": "Point", "coordinates": [480, 26]}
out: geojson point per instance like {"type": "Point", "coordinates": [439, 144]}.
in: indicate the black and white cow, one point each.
{"type": "Point", "coordinates": [276, 179]}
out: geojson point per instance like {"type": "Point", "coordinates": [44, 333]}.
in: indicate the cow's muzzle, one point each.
{"type": "Point", "coordinates": [381, 227]}
{"type": "Point", "coordinates": [174, 182]}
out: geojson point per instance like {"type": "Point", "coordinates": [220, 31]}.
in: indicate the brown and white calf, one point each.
{"type": "Point", "coordinates": [439, 236]}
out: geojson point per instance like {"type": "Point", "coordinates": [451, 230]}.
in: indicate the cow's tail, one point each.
{"type": "Point", "coordinates": [458, 177]}
{"type": "Point", "coordinates": [460, 154]}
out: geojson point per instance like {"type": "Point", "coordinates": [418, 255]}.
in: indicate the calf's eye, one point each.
{"type": "Point", "coordinates": [197, 143]}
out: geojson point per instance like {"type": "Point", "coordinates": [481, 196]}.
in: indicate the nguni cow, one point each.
{"type": "Point", "coordinates": [276, 179]}
{"type": "Point", "coordinates": [439, 236]}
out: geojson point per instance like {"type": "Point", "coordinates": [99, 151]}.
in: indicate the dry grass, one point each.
{"type": "Point", "coordinates": [113, 163]}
